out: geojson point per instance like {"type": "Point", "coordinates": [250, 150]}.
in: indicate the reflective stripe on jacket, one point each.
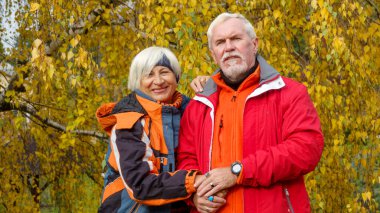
{"type": "Point", "coordinates": [282, 141]}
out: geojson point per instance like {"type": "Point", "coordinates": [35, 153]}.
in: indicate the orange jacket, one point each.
{"type": "Point", "coordinates": [228, 139]}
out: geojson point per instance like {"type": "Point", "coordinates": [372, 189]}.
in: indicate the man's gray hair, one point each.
{"type": "Point", "coordinates": [226, 16]}
{"type": "Point", "coordinates": [144, 62]}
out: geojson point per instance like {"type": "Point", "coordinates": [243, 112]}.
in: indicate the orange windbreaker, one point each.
{"type": "Point", "coordinates": [228, 132]}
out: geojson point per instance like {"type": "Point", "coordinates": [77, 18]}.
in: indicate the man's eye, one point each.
{"type": "Point", "coordinates": [219, 42]}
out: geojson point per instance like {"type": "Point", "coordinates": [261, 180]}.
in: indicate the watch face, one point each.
{"type": "Point", "coordinates": [236, 168]}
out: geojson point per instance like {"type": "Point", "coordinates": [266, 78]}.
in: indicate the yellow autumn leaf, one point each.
{"type": "Point", "coordinates": [193, 3]}
{"type": "Point", "coordinates": [37, 43]}
{"type": "Point", "coordinates": [314, 4]}
{"type": "Point", "coordinates": [74, 42]}
{"type": "Point", "coordinates": [35, 54]}
{"type": "Point", "coordinates": [34, 7]}
{"type": "Point", "coordinates": [51, 71]}
{"type": "Point", "coordinates": [276, 14]}
{"type": "Point", "coordinates": [70, 55]}
{"type": "Point", "coordinates": [321, 3]}
{"type": "Point", "coordinates": [73, 82]}
{"type": "Point", "coordinates": [366, 196]}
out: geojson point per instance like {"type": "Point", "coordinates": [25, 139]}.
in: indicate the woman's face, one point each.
{"type": "Point", "coordinates": [160, 84]}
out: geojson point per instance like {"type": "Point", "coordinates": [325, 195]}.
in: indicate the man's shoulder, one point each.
{"type": "Point", "coordinates": [291, 83]}
{"type": "Point", "coordinates": [200, 102]}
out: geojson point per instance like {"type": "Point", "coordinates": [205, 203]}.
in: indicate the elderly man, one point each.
{"type": "Point", "coordinates": [251, 131]}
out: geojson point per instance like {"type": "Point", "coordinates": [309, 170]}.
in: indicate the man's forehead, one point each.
{"type": "Point", "coordinates": [229, 27]}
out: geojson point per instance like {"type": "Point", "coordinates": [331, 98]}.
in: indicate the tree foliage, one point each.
{"type": "Point", "coordinates": [71, 56]}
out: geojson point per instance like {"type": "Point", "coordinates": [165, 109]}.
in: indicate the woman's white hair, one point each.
{"type": "Point", "coordinates": [144, 62]}
{"type": "Point", "coordinates": [226, 16]}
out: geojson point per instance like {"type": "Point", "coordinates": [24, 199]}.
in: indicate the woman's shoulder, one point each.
{"type": "Point", "coordinates": [128, 104]}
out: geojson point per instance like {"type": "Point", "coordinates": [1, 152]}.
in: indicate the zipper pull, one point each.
{"type": "Point", "coordinates": [233, 98]}
{"type": "Point", "coordinates": [286, 192]}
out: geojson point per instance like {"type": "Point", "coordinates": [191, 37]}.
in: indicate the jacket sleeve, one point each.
{"type": "Point", "coordinates": [140, 177]}
{"type": "Point", "coordinates": [299, 150]}
{"type": "Point", "coordinates": [186, 152]}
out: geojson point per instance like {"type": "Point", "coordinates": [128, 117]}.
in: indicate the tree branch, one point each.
{"type": "Point", "coordinates": [5, 106]}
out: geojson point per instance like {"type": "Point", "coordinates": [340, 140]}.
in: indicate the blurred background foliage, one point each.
{"type": "Point", "coordinates": [65, 58]}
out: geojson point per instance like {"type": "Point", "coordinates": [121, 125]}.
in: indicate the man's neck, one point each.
{"type": "Point", "coordinates": [235, 85]}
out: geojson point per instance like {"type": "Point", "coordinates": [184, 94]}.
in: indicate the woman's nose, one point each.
{"type": "Point", "coordinates": [158, 80]}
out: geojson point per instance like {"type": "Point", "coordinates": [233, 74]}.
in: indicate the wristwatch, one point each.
{"type": "Point", "coordinates": [236, 168]}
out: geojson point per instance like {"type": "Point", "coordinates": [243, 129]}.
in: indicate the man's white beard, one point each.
{"type": "Point", "coordinates": [234, 71]}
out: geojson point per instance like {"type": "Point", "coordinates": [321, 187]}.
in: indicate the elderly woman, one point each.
{"type": "Point", "coordinates": [143, 128]}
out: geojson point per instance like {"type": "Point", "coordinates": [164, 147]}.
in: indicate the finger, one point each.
{"type": "Point", "coordinates": [217, 202]}
{"type": "Point", "coordinates": [222, 193]}
{"type": "Point", "coordinates": [204, 209]}
{"type": "Point", "coordinates": [198, 85]}
{"type": "Point", "coordinates": [212, 191]}
{"type": "Point", "coordinates": [208, 190]}
{"type": "Point", "coordinates": [194, 87]}
{"type": "Point", "coordinates": [204, 187]}
{"type": "Point", "coordinates": [203, 81]}
{"type": "Point", "coordinates": [198, 181]}
{"type": "Point", "coordinates": [210, 208]}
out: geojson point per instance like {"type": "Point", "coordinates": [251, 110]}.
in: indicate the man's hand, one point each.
{"type": "Point", "coordinates": [215, 181]}
{"type": "Point", "coordinates": [198, 83]}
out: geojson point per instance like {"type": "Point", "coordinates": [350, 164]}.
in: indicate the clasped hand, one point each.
{"type": "Point", "coordinates": [212, 189]}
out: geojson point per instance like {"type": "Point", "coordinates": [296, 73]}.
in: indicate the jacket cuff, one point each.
{"type": "Point", "coordinates": [247, 176]}
{"type": "Point", "coordinates": [241, 175]}
{"type": "Point", "coordinates": [190, 180]}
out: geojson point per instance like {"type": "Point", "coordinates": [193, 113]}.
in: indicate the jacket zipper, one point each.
{"type": "Point", "coordinates": [135, 207]}
{"type": "Point", "coordinates": [234, 134]}
{"type": "Point", "coordinates": [288, 200]}
{"type": "Point", "coordinates": [220, 130]}
{"type": "Point", "coordinates": [233, 99]}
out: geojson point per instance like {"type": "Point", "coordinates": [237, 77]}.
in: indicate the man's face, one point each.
{"type": "Point", "coordinates": [232, 49]}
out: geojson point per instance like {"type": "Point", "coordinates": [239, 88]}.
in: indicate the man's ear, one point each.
{"type": "Point", "coordinates": [255, 43]}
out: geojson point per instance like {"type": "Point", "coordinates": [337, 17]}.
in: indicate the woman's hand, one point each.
{"type": "Point", "coordinates": [198, 83]}
{"type": "Point", "coordinates": [205, 205]}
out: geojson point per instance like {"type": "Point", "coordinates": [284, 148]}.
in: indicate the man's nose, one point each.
{"type": "Point", "coordinates": [229, 46]}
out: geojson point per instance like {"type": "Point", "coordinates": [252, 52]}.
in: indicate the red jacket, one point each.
{"type": "Point", "coordinates": [282, 141]}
